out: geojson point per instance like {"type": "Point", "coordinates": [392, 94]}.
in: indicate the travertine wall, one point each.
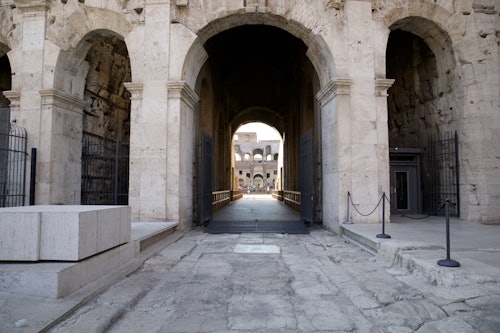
{"type": "Point", "coordinates": [48, 44]}
{"type": "Point", "coordinates": [108, 115]}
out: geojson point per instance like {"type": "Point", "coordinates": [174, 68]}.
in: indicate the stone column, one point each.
{"type": "Point", "coordinates": [148, 151]}
{"type": "Point", "coordinates": [180, 153]}
{"type": "Point", "coordinates": [363, 149]}
{"type": "Point", "coordinates": [381, 87]}
{"type": "Point", "coordinates": [52, 118]}
{"type": "Point", "coordinates": [135, 165]}
{"type": "Point", "coordinates": [149, 117]}
{"type": "Point", "coordinates": [60, 148]}
{"type": "Point", "coordinates": [27, 64]}
{"type": "Point", "coordinates": [334, 102]}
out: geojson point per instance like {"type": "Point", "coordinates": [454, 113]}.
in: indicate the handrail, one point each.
{"type": "Point", "coordinates": [236, 194]}
{"type": "Point", "coordinates": [292, 199]}
{"type": "Point", "coordinates": [223, 198]}
{"type": "Point", "coordinates": [277, 194]}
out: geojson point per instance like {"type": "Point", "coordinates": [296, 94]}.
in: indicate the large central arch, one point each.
{"type": "Point", "coordinates": [296, 114]}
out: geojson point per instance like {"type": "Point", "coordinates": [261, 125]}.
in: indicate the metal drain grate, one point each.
{"type": "Point", "coordinates": [240, 227]}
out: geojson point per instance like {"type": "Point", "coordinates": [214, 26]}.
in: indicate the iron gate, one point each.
{"type": "Point", "coordinates": [105, 171]}
{"type": "Point", "coordinates": [13, 145]}
{"type": "Point", "coordinates": [205, 207]}
{"type": "Point", "coordinates": [306, 178]}
{"type": "Point", "coordinates": [444, 173]}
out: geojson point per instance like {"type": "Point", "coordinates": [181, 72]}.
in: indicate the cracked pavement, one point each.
{"type": "Point", "coordinates": [315, 283]}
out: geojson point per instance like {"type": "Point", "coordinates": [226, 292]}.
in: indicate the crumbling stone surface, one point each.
{"type": "Point", "coordinates": [109, 112]}
{"type": "Point", "coordinates": [317, 283]}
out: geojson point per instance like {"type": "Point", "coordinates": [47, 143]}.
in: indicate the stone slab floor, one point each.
{"type": "Point", "coordinates": [280, 283]}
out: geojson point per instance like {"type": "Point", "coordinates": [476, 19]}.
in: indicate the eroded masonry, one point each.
{"type": "Point", "coordinates": [136, 103]}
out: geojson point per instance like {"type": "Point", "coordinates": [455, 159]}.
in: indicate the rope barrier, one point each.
{"type": "Point", "coordinates": [349, 199]}
{"type": "Point", "coordinates": [412, 217]}
{"type": "Point", "coordinates": [448, 262]}
{"type": "Point", "coordinates": [370, 213]}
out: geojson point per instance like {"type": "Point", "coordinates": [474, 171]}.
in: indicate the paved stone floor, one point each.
{"type": "Point", "coordinates": [280, 283]}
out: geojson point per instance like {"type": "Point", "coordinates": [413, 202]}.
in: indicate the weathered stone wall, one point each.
{"type": "Point", "coordinates": [412, 111]}
{"type": "Point", "coordinates": [346, 43]}
{"type": "Point", "coordinates": [109, 67]}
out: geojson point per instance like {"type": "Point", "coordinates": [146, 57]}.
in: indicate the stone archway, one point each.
{"type": "Point", "coordinates": [106, 122]}
{"type": "Point", "coordinates": [252, 82]}
{"type": "Point", "coordinates": [423, 106]}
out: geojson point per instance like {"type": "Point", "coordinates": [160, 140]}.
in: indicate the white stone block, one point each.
{"type": "Point", "coordinates": [58, 232]}
{"type": "Point", "coordinates": [68, 235]}
{"type": "Point", "coordinates": [19, 235]}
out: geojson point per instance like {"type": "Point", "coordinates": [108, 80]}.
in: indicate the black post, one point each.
{"type": "Point", "coordinates": [32, 176]}
{"type": "Point", "coordinates": [448, 262]}
{"type": "Point", "coordinates": [383, 234]}
{"type": "Point", "coordinates": [347, 221]}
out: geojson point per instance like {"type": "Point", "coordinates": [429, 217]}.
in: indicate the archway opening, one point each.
{"type": "Point", "coordinates": [259, 172]}
{"type": "Point", "coordinates": [421, 112]}
{"type": "Point", "coordinates": [260, 73]}
{"type": "Point", "coordinates": [106, 123]}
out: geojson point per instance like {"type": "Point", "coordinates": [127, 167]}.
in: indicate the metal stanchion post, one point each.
{"type": "Point", "coordinates": [448, 262]}
{"type": "Point", "coordinates": [383, 234]}
{"type": "Point", "coordinates": [348, 221]}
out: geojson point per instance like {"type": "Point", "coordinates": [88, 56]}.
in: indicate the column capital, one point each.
{"type": "Point", "coordinates": [135, 88]}
{"type": "Point", "coordinates": [180, 89]}
{"type": "Point", "coordinates": [14, 97]}
{"type": "Point", "coordinates": [63, 100]}
{"type": "Point", "coordinates": [382, 85]}
{"type": "Point", "coordinates": [339, 86]}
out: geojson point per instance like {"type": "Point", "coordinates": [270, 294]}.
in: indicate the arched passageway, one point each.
{"type": "Point", "coordinates": [106, 121]}
{"type": "Point", "coordinates": [259, 73]}
{"type": "Point", "coordinates": [422, 112]}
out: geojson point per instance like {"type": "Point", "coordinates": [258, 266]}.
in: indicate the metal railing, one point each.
{"type": "Point", "coordinates": [223, 198]}
{"type": "Point", "coordinates": [444, 172]}
{"type": "Point", "coordinates": [277, 194]}
{"type": "Point", "coordinates": [292, 199]}
{"type": "Point", "coordinates": [220, 199]}
{"type": "Point", "coordinates": [236, 194]}
{"type": "Point", "coordinates": [13, 154]}
{"type": "Point", "coordinates": [105, 172]}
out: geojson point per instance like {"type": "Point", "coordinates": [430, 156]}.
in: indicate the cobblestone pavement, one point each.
{"type": "Point", "coordinates": [280, 283]}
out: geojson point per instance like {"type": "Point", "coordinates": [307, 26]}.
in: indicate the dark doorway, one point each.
{"type": "Point", "coordinates": [405, 192]}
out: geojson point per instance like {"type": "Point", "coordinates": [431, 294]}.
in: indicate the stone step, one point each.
{"type": "Point", "coordinates": [420, 260]}
{"type": "Point", "coordinates": [363, 242]}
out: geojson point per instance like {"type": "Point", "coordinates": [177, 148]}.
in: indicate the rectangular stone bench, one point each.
{"type": "Point", "coordinates": [61, 232]}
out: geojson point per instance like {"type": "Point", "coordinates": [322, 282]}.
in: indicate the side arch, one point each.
{"type": "Point", "coordinates": [429, 22]}
{"type": "Point", "coordinates": [70, 67]}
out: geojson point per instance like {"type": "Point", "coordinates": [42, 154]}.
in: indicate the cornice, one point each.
{"type": "Point", "coordinates": [180, 89]}
{"type": "Point", "coordinates": [135, 88]}
{"type": "Point", "coordinates": [339, 86]}
{"type": "Point", "coordinates": [382, 85]}
{"type": "Point", "coordinates": [63, 100]}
